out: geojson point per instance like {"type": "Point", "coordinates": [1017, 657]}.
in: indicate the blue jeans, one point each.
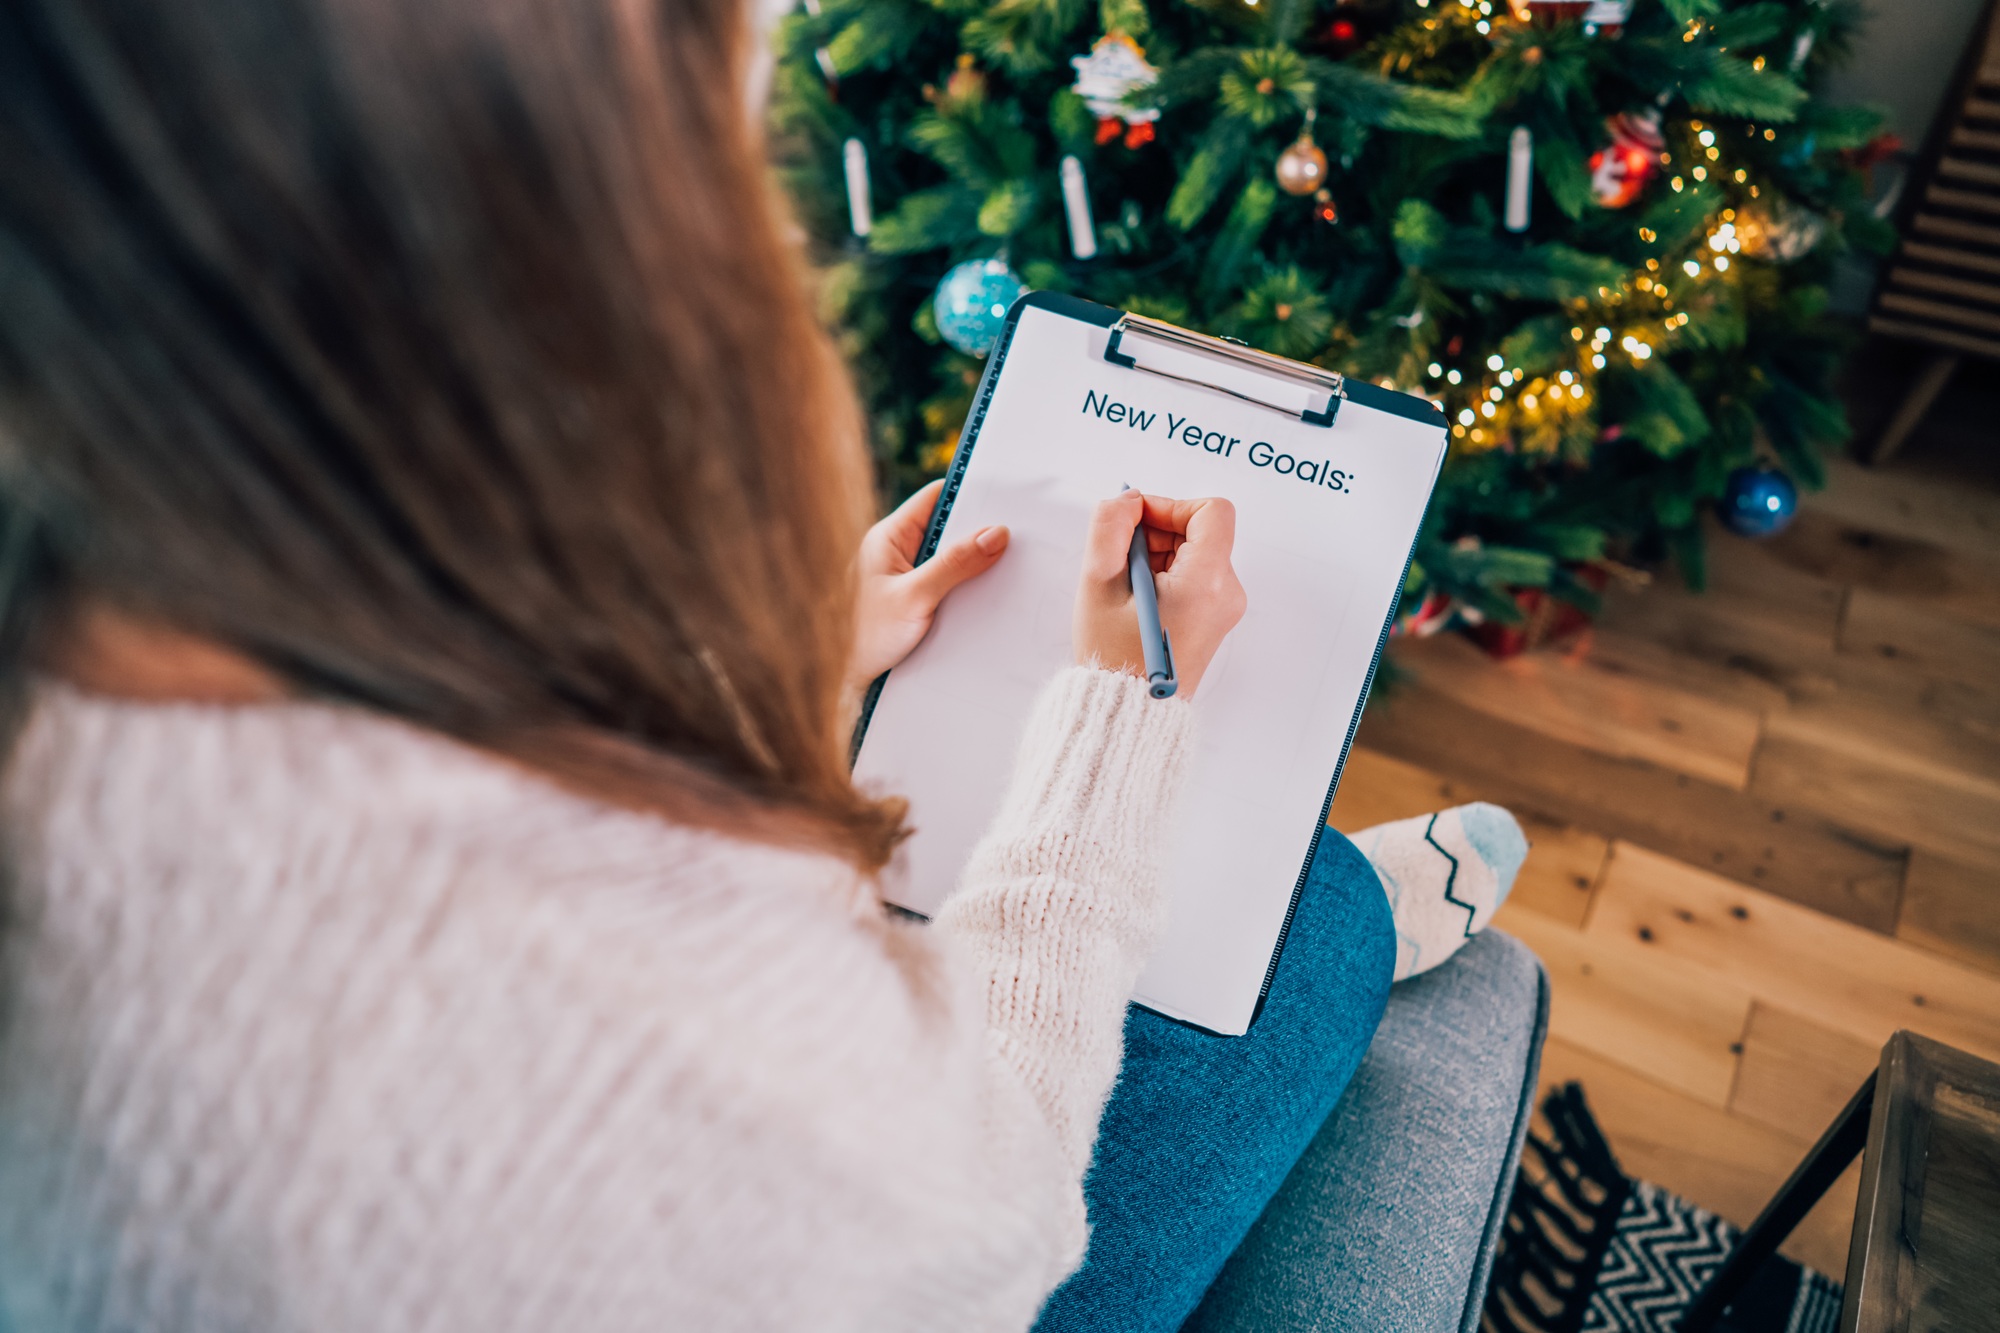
{"type": "Point", "coordinates": [1201, 1130]}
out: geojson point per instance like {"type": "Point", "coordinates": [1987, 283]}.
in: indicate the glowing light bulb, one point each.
{"type": "Point", "coordinates": [1495, 361]}
{"type": "Point", "coordinates": [1506, 377]}
{"type": "Point", "coordinates": [1566, 377]}
{"type": "Point", "coordinates": [1693, 267]}
{"type": "Point", "coordinates": [1530, 402]}
{"type": "Point", "coordinates": [1603, 335]}
{"type": "Point", "coordinates": [1465, 417]}
{"type": "Point", "coordinates": [1435, 369]}
{"type": "Point", "coordinates": [1707, 138]}
{"type": "Point", "coordinates": [1722, 263]}
{"type": "Point", "coordinates": [1576, 391]}
{"type": "Point", "coordinates": [1453, 377]}
{"type": "Point", "coordinates": [1598, 361]}
{"type": "Point", "coordinates": [1487, 410]}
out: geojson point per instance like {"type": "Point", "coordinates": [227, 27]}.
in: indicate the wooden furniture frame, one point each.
{"type": "Point", "coordinates": [1923, 1254]}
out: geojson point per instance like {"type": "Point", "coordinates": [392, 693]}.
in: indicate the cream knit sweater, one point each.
{"type": "Point", "coordinates": [315, 1021]}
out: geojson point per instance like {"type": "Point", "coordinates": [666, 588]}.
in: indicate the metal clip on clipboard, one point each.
{"type": "Point", "coordinates": [1334, 384]}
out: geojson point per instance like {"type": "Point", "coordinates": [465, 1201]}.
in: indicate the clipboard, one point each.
{"type": "Point", "coordinates": [1331, 476]}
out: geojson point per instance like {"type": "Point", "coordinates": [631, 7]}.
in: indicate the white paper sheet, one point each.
{"type": "Point", "coordinates": [1321, 567]}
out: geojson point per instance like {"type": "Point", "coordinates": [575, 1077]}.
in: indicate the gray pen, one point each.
{"type": "Point", "coordinates": [1153, 640]}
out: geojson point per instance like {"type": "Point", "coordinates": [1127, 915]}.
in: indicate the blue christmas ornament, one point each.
{"type": "Point", "coordinates": [1758, 501]}
{"type": "Point", "coordinates": [972, 302]}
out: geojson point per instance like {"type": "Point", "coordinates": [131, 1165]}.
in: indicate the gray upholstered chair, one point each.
{"type": "Point", "coordinates": [1389, 1222]}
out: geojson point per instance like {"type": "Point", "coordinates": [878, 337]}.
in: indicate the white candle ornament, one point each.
{"type": "Point", "coordinates": [1520, 175]}
{"type": "Point", "coordinates": [860, 212]}
{"type": "Point", "coordinates": [1801, 49]}
{"type": "Point", "coordinates": [821, 54]}
{"type": "Point", "coordinates": [1076, 207]}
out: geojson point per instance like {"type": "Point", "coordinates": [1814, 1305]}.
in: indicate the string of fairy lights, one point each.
{"type": "Point", "coordinates": [1496, 404]}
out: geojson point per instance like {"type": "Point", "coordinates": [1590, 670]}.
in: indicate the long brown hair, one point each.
{"type": "Point", "coordinates": [448, 357]}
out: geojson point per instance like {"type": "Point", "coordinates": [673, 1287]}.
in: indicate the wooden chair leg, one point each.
{"type": "Point", "coordinates": [1929, 383]}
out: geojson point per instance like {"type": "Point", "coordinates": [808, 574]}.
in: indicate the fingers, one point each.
{"type": "Point", "coordinates": [1211, 518]}
{"type": "Point", "coordinates": [1108, 543]}
{"type": "Point", "coordinates": [956, 563]}
{"type": "Point", "coordinates": [1207, 538]}
{"type": "Point", "coordinates": [903, 530]}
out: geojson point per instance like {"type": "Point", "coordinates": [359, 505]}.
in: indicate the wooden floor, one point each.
{"type": "Point", "coordinates": [1766, 826]}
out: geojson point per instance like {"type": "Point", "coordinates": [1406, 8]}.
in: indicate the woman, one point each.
{"type": "Point", "coordinates": [436, 897]}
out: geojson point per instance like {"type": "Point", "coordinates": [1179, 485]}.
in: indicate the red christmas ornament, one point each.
{"type": "Point", "coordinates": [1873, 153]}
{"type": "Point", "coordinates": [1137, 134]}
{"type": "Point", "coordinates": [1431, 616]}
{"type": "Point", "coordinates": [1619, 170]}
{"type": "Point", "coordinates": [1555, 13]}
{"type": "Point", "coordinates": [1545, 620]}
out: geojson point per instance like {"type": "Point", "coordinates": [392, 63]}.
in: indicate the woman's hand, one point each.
{"type": "Point", "coordinates": [1188, 542]}
{"type": "Point", "coordinates": [899, 598]}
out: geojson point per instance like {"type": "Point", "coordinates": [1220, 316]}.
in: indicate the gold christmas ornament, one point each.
{"type": "Point", "coordinates": [1302, 167]}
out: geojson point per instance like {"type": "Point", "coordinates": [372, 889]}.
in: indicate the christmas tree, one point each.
{"type": "Point", "coordinates": [1597, 232]}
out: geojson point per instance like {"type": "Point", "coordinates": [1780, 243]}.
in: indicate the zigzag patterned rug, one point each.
{"type": "Point", "coordinates": [1588, 1250]}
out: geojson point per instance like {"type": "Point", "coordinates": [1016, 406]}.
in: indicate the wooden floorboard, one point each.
{"type": "Point", "coordinates": [1796, 852]}
{"type": "Point", "coordinates": [1952, 909]}
{"type": "Point", "coordinates": [1892, 629]}
{"type": "Point", "coordinates": [1625, 1005]}
{"type": "Point", "coordinates": [1888, 799]}
{"type": "Point", "coordinates": [1844, 976]}
{"type": "Point", "coordinates": [1910, 569]}
{"type": "Point", "coordinates": [1897, 503]}
{"type": "Point", "coordinates": [1573, 699]}
{"type": "Point", "coordinates": [1764, 824]}
{"type": "Point", "coordinates": [1797, 1075]}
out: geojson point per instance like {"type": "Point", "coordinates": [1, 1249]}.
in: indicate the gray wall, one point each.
{"type": "Point", "coordinates": [1904, 57]}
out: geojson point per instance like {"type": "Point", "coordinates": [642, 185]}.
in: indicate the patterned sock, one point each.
{"type": "Point", "coordinates": [1445, 874]}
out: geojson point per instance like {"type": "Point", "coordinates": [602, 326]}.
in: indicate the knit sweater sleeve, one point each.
{"type": "Point", "coordinates": [1059, 905]}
